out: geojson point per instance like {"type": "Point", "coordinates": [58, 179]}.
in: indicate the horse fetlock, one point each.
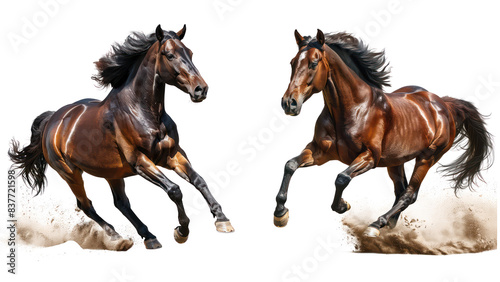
{"type": "Point", "coordinates": [342, 207]}
{"type": "Point", "coordinates": [184, 222]}
{"type": "Point", "coordinates": [281, 198]}
{"type": "Point", "coordinates": [381, 222]}
{"type": "Point", "coordinates": [143, 231]}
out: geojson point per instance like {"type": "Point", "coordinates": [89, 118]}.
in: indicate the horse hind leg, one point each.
{"type": "Point", "coordinates": [75, 182]}
{"type": "Point", "coordinates": [439, 146]}
{"type": "Point", "coordinates": [398, 177]}
{"type": "Point", "coordinates": [122, 203]}
{"type": "Point", "coordinates": [422, 166]}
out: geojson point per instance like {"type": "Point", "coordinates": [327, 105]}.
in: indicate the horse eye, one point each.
{"type": "Point", "coordinates": [170, 56]}
{"type": "Point", "coordinates": [313, 65]}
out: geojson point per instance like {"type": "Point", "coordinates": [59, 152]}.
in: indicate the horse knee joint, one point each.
{"type": "Point", "coordinates": [291, 166]}
{"type": "Point", "coordinates": [175, 193]}
{"type": "Point", "coordinates": [342, 181]}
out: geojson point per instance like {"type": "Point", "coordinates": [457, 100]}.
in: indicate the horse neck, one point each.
{"type": "Point", "coordinates": [344, 89]}
{"type": "Point", "coordinates": [145, 88]}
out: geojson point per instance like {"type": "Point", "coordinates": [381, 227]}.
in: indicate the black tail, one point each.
{"type": "Point", "coordinates": [478, 146]}
{"type": "Point", "coordinates": [30, 159]}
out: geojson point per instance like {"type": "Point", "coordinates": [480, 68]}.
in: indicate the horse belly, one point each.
{"type": "Point", "coordinates": [99, 157]}
{"type": "Point", "coordinates": [403, 143]}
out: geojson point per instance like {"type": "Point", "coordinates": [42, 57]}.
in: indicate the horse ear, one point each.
{"type": "Point", "coordinates": [320, 37]}
{"type": "Point", "coordinates": [182, 32]}
{"type": "Point", "coordinates": [159, 33]}
{"type": "Point", "coordinates": [298, 37]}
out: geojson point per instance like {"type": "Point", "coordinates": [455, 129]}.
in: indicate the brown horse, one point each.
{"type": "Point", "coordinates": [128, 133]}
{"type": "Point", "coordinates": [365, 128]}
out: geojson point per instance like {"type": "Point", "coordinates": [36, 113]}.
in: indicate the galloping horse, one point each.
{"type": "Point", "coordinates": [127, 133]}
{"type": "Point", "coordinates": [363, 127]}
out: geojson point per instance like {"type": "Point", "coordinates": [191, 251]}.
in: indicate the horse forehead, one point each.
{"type": "Point", "coordinates": [302, 56]}
{"type": "Point", "coordinates": [175, 45]}
{"type": "Point", "coordinates": [305, 53]}
{"type": "Point", "coordinates": [170, 44]}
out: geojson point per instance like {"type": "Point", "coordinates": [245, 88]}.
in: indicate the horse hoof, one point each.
{"type": "Point", "coordinates": [178, 236]}
{"type": "Point", "coordinates": [282, 220]}
{"type": "Point", "coordinates": [224, 226]}
{"type": "Point", "coordinates": [152, 244]}
{"type": "Point", "coordinates": [371, 232]}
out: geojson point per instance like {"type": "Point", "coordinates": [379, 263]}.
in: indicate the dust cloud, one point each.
{"type": "Point", "coordinates": [448, 227]}
{"type": "Point", "coordinates": [63, 226]}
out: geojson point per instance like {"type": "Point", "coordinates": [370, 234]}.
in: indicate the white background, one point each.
{"type": "Point", "coordinates": [242, 49]}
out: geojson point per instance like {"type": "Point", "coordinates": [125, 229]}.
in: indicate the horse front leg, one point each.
{"type": "Point", "coordinates": [311, 155]}
{"type": "Point", "coordinates": [149, 171]}
{"type": "Point", "coordinates": [364, 162]}
{"type": "Point", "coordinates": [181, 165]}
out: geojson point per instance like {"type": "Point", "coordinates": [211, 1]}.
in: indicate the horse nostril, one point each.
{"type": "Point", "coordinates": [198, 90]}
{"type": "Point", "coordinates": [293, 105]}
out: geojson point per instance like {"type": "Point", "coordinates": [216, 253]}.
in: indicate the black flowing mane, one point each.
{"type": "Point", "coordinates": [115, 67]}
{"type": "Point", "coordinates": [369, 65]}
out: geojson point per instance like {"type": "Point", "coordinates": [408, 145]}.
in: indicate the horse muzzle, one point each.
{"type": "Point", "coordinates": [199, 94]}
{"type": "Point", "coordinates": [291, 106]}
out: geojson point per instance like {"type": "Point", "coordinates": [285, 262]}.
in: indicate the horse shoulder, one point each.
{"type": "Point", "coordinates": [168, 138]}
{"type": "Point", "coordinates": [324, 131]}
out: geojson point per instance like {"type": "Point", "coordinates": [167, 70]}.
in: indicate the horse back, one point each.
{"type": "Point", "coordinates": [415, 119]}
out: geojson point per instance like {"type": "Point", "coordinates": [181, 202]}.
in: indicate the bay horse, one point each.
{"type": "Point", "coordinates": [128, 133]}
{"type": "Point", "coordinates": [365, 128]}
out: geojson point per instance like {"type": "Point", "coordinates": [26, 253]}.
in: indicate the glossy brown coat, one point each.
{"type": "Point", "coordinates": [127, 133]}
{"type": "Point", "coordinates": [363, 127]}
